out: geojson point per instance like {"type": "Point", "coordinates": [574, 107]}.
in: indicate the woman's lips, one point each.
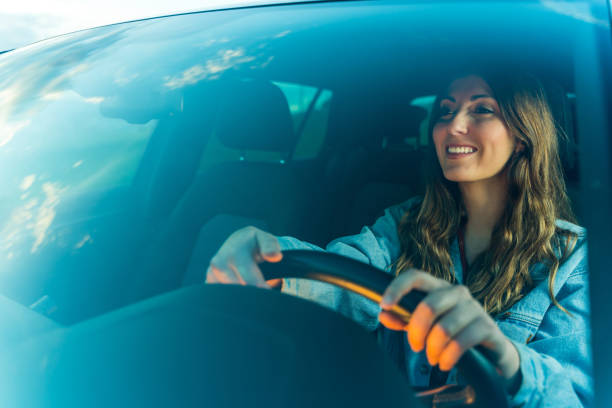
{"type": "Point", "coordinates": [459, 151]}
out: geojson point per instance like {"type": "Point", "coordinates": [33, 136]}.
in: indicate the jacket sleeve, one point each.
{"type": "Point", "coordinates": [557, 366]}
{"type": "Point", "coordinates": [377, 245]}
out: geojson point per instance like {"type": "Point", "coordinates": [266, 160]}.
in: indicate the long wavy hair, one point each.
{"type": "Point", "coordinates": [526, 232]}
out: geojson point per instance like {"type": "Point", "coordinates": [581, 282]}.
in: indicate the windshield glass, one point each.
{"type": "Point", "coordinates": [123, 149]}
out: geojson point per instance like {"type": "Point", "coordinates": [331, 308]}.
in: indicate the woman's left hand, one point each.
{"type": "Point", "coordinates": [447, 322]}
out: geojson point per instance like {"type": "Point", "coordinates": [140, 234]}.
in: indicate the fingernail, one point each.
{"type": "Point", "coordinates": [272, 256]}
{"type": "Point", "coordinates": [415, 347]}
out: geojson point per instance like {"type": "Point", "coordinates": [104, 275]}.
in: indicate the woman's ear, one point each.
{"type": "Point", "coordinates": [520, 146]}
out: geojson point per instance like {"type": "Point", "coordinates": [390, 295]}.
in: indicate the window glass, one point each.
{"type": "Point", "coordinates": [425, 102]}
{"type": "Point", "coordinates": [94, 153]}
{"type": "Point", "coordinates": [309, 108]}
{"type": "Point", "coordinates": [103, 131]}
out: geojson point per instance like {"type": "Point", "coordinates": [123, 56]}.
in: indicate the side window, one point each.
{"type": "Point", "coordinates": [425, 102]}
{"type": "Point", "coordinates": [309, 108]}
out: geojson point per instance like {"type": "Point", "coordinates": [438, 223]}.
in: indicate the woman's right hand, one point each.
{"type": "Point", "coordinates": [237, 259]}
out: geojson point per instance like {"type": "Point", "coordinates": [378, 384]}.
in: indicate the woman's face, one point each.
{"type": "Point", "coordinates": [471, 139]}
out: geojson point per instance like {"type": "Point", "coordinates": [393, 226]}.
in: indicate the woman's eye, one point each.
{"type": "Point", "coordinates": [484, 109]}
{"type": "Point", "coordinates": [444, 111]}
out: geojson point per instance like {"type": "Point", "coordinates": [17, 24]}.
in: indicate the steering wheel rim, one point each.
{"type": "Point", "coordinates": [371, 282]}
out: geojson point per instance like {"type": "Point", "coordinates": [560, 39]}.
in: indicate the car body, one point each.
{"type": "Point", "coordinates": [131, 151]}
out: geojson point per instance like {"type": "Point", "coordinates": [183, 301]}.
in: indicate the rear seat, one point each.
{"type": "Point", "coordinates": [374, 167]}
{"type": "Point", "coordinates": [396, 173]}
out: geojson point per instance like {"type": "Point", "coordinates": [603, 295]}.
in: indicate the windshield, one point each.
{"type": "Point", "coordinates": [124, 149]}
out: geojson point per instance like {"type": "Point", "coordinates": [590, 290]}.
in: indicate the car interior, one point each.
{"type": "Point", "coordinates": [314, 144]}
{"type": "Point", "coordinates": [366, 164]}
{"type": "Point", "coordinates": [310, 153]}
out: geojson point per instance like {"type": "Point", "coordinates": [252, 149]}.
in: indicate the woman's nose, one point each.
{"type": "Point", "coordinates": [459, 124]}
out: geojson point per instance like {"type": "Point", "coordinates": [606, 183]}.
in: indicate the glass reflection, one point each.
{"type": "Point", "coordinates": [77, 114]}
{"type": "Point", "coordinates": [103, 131]}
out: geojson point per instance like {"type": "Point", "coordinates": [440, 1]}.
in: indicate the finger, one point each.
{"type": "Point", "coordinates": [448, 326]}
{"type": "Point", "coordinates": [475, 333]}
{"type": "Point", "coordinates": [431, 308]}
{"type": "Point", "coordinates": [238, 273]}
{"type": "Point", "coordinates": [274, 283]}
{"type": "Point", "coordinates": [267, 247]}
{"type": "Point", "coordinates": [405, 282]}
{"type": "Point", "coordinates": [220, 268]}
{"type": "Point", "coordinates": [391, 321]}
{"type": "Point", "coordinates": [249, 273]}
{"type": "Point", "coordinates": [220, 276]}
{"type": "Point", "coordinates": [210, 276]}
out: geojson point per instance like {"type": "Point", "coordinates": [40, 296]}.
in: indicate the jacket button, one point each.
{"type": "Point", "coordinates": [424, 368]}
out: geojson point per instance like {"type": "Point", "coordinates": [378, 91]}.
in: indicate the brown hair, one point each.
{"type": "Point", "coordinates": [526, 233]}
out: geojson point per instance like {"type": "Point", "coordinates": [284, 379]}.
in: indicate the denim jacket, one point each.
{"type": "Point", "coordinates": [554, 348]}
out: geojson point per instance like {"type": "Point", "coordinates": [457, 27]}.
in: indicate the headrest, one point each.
{"type": "Point", "coordinates": [254, 115]}
{"type": "Point", "coordinates": [409, 127]}
{"type": "Point", "coordinates": [373, 125]}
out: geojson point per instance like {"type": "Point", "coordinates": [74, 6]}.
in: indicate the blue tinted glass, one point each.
{"type": "Point", "coordinates": [120, 145]}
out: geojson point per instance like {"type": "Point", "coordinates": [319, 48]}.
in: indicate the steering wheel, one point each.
{"type": "Point", "coordinates": [487, 385]}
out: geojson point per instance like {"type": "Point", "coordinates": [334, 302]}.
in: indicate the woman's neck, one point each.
{"type": "Point", "coordinates": [484, 202]}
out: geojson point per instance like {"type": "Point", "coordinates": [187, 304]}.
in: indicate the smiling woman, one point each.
{"type": "Point", "coordinates": [129, 154]}
{"type": "Point", "coordinates": [494, 212]}
{"type": "Point", "coordinates": [514, 164]}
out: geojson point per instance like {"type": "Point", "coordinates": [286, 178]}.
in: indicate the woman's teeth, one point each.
{"type": "Point", "coordinates": [460, 150]}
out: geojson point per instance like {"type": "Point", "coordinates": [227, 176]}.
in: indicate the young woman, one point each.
{"type": "Point", "coordinates": [492, 242]}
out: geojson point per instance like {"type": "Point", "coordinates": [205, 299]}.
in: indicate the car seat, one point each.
{"type": "Point", "coordinates": [253, 116]}
{"type": "Point", "coordinates": [374, 166]}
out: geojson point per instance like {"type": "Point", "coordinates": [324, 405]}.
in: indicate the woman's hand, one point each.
{"type": "Point", "coordinates": [236, 261]}
{"type": "Point", "coordinates": [447, 322]}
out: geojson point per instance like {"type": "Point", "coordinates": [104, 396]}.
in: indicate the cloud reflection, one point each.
{"type": "Point", "coordinates": [124, 80]}
{"type": "Point", "coordinates": [27, 182]}
{"type": "Point", "coordinates": [32, 217]}
{"type": "Point", "coordinates": [579, 11]}
{"type": "Point", "coordinates": [8, 130]}
{"type": "Point", "coordinates": [85, 240]}
{"type": "Point", "coordinates": [227, 59]}
{"type": "Point", "coordinates": [94, 99]}
{"type": "Point", "coordinates": [32, 75]}
{"type": "Point", "coordinates": [20, 217]}
{"type": "Point", "coordinates": [46, 214]}
{"type": "Point", "coordinates": [282, 34]}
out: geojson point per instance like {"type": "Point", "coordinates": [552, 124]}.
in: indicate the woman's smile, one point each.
{"type": "Point", "coordinates": [457, 151]}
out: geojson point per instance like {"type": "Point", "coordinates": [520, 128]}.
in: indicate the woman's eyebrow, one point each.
{"type": "Point", "coordinates": [472, 98]}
